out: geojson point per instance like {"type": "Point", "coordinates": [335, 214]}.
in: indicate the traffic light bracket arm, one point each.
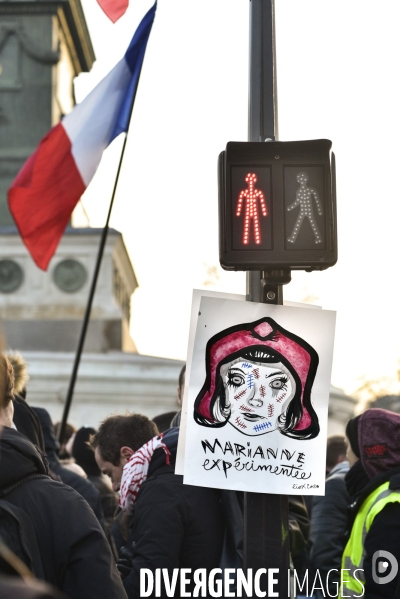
{"type": "Point", "coordinates": [271, 285]}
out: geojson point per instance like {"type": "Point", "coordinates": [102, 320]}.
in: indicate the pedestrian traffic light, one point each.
{"type": "Point", "coordinates": [277, 205]}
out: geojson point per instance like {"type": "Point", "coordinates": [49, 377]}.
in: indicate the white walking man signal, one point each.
{"type": "Point", "coordinates": [304, 200]}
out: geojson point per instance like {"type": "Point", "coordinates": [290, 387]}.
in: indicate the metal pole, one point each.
{"type": "Point", "coordinates": [263, 98]}
{"type": "Point", "coordinates": [88, 309]}
{"type": "Point", "coordinates": [266, 539]}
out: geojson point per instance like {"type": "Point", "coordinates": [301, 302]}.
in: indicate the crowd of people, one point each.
{"type": "Point", "coordinates": [81, 518]}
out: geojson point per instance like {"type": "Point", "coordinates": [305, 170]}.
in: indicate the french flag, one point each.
{"type": "Point", "coordinates": [51, 182]}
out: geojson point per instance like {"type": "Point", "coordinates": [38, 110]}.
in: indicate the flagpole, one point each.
{"type": "Point", "coordinates": [103, 240]}
{"type": "Point", "coordinates": [88, 309]}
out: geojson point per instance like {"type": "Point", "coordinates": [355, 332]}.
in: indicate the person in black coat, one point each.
{"type": "Point", "coordinates": [173, 525]}
{"type": "Point", "coordinates": [177, 525]}
{"type": "Point", "coordinates": [74, 480]}
{"type": "Point", "coordinates": [74, 552]}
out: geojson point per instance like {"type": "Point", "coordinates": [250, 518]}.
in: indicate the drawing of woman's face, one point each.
{"type": "Point", "coordinates": [257, 394]}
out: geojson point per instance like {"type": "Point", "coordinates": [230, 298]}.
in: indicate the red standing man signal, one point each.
{"type": "Point", "coordinates": [250, 197]}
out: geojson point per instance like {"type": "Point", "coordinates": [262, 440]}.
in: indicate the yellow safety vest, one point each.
{"type": "Point", "coordinates": [353, 555]}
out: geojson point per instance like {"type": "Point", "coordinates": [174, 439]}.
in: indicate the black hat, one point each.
{"type": "Point", "coordinates": [83, 454]}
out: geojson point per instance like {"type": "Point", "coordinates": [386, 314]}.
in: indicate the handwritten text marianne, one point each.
{"type": "Point", "coordinates": [239, 453]}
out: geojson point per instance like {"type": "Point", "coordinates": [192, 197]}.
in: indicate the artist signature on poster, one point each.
{"type": "Point", "coordinates": [305, 486]}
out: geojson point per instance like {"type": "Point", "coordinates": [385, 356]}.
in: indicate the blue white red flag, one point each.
{"type": "Point", "coordinates": [51, 182]}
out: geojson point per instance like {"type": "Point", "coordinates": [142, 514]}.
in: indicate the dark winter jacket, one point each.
{"type": "Point", "coordinates": [329, 525]}
{"type": "Point", "coordinates": [83, 486]}
{"type": "Point", "coordinates": [174, 525]}
{"type": "Point", "coordinates": [27, 422]}
{"type": "Point", "coordinates": [299, 524]}
{"type": "Point", "coordinates": [379, 445]}
{"type": "Point", "coordinates": [75, 555]}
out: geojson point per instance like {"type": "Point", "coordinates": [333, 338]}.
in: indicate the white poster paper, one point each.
{"type": "Point", "coordinates": [257, 397]}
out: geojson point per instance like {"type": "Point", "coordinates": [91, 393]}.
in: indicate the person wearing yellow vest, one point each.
{"type": "Point", "coordinates": [372, 553]}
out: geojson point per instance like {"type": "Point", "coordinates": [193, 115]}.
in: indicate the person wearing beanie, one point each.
{"type": "Point", "coordinates": [372, 553]}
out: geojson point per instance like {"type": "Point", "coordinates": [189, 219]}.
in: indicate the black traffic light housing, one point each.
{"type": "Point", "coordinates": [277, 205]}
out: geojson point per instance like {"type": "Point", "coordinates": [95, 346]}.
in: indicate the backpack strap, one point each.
{"type": "Point", "coordinates": [22, 481]}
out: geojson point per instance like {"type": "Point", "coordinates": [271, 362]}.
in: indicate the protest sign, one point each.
{"type": "Point", "coordinates": [257, 397]}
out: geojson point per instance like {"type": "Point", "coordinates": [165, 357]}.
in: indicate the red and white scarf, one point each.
{"type": "Point", "coordinates": [135, 472]}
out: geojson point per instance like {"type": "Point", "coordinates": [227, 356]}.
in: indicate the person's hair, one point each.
{"type": "Point", "coordinates": [83, 453]}
{"type": "Point", "coordinates": [6, 381]}
{"type": "Point", "coordinates": [20, 368]}
{"type": "Point", "coordinates": [287, 421]}
{"type": "Point", "coordinates": [69, 430]}
{"type": "Point", "coordinates": [163, 421]}
{"type": "Point", "coordinates": [181, 379]}
{"type": "Point", "coordinates": [335, 447]}
{"type": "Point", "coordinates": [128, 430]}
